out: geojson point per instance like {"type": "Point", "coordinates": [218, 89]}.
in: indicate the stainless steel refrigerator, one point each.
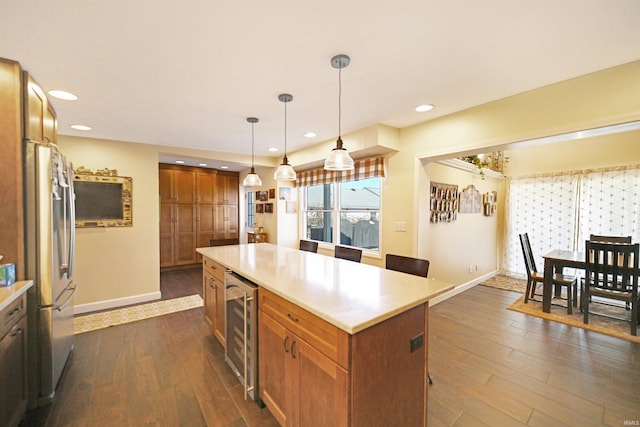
{"type": "Point", "coordinates": [49, 246]}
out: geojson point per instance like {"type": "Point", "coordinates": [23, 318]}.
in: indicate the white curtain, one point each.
{"type": "Point", "coordinates": [543, 206]}
{"type": "Point", "coordinates": [560, 211]}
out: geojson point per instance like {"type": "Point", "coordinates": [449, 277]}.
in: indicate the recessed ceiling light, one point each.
{"type": "Point", "coordinates": [310, 134]}
{"type": "Point", "coordinates": [61, 94]}
{"type": "Point", "coordinates": [424, 108]}
{"type": "Point", "coordinates": [202, 164]}
{"type": "Point", "coordinates": [273, 149]}
{"type": "Point", "coordinates": [224, 167]}
{"type": "Point", "coordinates": [80, 127]}
{"type": "Point", "coordinates": [180, 162]}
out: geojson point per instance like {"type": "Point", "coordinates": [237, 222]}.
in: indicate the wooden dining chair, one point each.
{"type": "Point", "coordinates": [570, 282]}
{"type": "Point", "coordinates": [610, 239]}
{"type": "Point", "coordinates": [611, 272]}
{"type": "Point", "coordinates": [351, 254]}
{"type": "Point", "coordinates": [405, 264]}
{"type": "Point", "coordinates": [308, 246]}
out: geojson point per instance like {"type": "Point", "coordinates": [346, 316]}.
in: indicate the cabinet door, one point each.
{"type": "Point", "coordinates": [205, 226]}
{"type": "Point", "coordinates": [227, 187]}
{"type": "Point", "coordinates": [206, 187]}
{"type": "Point", "coordinates": [167, 233]}
{"type": "Point", "coordinates": [185, 234]}
{"type": "Point", "coordinates": [184, 186]}
{"type": "Point", "coordinates": [226, 222]}
{"type": "Point", "coordinates": [165, 183]}
{"type": "Point", "coordinates": [273, 356]}
{"type": "Point", "coordinates": [208, 291]}
{"type": "Point", "coordinates": [13, 391]}
{"type": "Point", "coordinates": [321, 388]}
{"type": "Point", "coordinates": [219, 311]}
{"type": "Point", "coordinates": [35, 110]}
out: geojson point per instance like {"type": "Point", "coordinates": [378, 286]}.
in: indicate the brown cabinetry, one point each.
{"type": "Point", "coordinates": [314, 374]}
{"type": "Point", "coordinates": [13, 359]}
{"type": "Point", "coordinates": [177, 217]}
{"type": "Point", "coordinates": [303, 361]}
{"type": "Point", "coordinates": [192, 213]}
{"type": "Point", "coordinates": [214, 297]}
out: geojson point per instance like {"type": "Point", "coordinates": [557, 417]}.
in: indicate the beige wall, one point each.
{"type": "Point", "coordinates": [123, 264]}
{"type": "Point", "coordinates": [118, 266]}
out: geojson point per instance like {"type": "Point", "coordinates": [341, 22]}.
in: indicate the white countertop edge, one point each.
{"type": "Point", "coordinates": [353, 327]}
{"type": "Point", "coordinates": [9, 294]}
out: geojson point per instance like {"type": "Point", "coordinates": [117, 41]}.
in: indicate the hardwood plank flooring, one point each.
{"type": "Point", "coordinates": [490, 366]}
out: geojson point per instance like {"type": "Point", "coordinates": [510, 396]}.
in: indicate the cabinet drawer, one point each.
{"type": "Point", "coordinates": [12, 313]}
{"type": "Point", "coordinates": [212, 267]}
{"type": "Point", "coordinates": [328, 339]}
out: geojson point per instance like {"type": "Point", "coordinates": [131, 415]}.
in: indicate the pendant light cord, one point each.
{"type": "Point", "coordinates": [252, 162]}
{"type": "Point", "coordinates": [339, 101]}
{"type": "Point", "coordinates": [285, 129]}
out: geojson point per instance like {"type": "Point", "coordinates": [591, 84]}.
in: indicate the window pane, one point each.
{"type": "Point", "coordinates": [250, 216]}
{"type": "Point", "coordinates": [360, 195]}
{"type": "Point", "coordinates": [319, 226]}
{"type": "Point", "coordinates": [359, 229]}
{"type": "Point", "coordinates": [320, 197]}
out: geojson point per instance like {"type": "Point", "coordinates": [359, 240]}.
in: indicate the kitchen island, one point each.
{"type": "Point", "coordinates": [340, 343]}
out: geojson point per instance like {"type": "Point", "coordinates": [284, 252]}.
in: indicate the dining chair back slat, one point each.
{"type": "Point", "coordinates": [610, 239]}
{"type": "Point", "coordinates": [308, 246]}
{"type": "Point", "coordinates": [611, 272]}
{"type": "Point", "coordinates": [405, 264]}
{"type": "Point", "coordinates": [351, 254]}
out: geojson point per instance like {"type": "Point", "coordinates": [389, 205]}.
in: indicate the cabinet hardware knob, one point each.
{"type": "Point", "coordinates": [14, 311]}
{"type": "Point", "coordinates": [17, 332]}
{"type": "Point", "coordinates": [293, 349]}
{"type": "Point", "coordinates": [286, 346]}
{"type": "Point", "coordinates": [293, 318]}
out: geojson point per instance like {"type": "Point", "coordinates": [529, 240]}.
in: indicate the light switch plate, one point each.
{"type": "Point", "coordinates": [401, 226]}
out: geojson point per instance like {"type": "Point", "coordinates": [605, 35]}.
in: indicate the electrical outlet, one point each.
{"type": "Point", "coordinates": [417, 342]}
{"type": "Point", "coordinates": [401, 226]}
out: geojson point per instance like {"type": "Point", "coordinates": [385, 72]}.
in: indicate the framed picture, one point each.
{"type": "Point", "coordinates": [272, 193]}
{"type": "Point", "coordinates": [285, 193]}
{"type": "Point", "coordinates": [268, 208]}
{"type": "Point", "coordinates": [262, 196]}
{"type": "Point", "coordinates": [259, 207]}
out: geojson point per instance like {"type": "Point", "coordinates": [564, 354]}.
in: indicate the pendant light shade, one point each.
{"type": "Point", "coordinates": [285, 171]}
{"type": "Point", "coordinates": [339, 159]}
{"type": "Point", "coordinates": [252, 179]}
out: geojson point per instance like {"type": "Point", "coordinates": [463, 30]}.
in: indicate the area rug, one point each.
{"type": "Point", "coordinates": [604, 322]}
{"type": "Point", "coordinates": [105, 319]}
{"type": "Point", "coordinates": [507, 283]}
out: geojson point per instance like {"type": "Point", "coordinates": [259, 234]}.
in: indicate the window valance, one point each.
{"type": "Point", "coordinates": [363, 169]}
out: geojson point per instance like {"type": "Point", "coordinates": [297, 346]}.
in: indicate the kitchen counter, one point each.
{"type": "Point", "coordinates": [351, 296]}
{"type": "Point", "coordinates": [11, 293]}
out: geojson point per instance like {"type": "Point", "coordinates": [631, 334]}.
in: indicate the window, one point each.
{"type": "Point", "coordinates": [250, 210]}
{"type": "Point", "coordinates": [561, 210]}
{"type": "Point", "coordinates": [346, 213]}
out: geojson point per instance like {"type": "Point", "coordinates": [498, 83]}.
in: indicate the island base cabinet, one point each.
{"type": "Point", "coordinates": [300, 385]}
{"type": "Point", "coordinates": [313, 374]}
{"type": "Point", "coordinates": [213, 291]}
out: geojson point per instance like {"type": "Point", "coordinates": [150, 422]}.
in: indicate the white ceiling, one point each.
{"type": "Point", "coordinates": [188, 73]}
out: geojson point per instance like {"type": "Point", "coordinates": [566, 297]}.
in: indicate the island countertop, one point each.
{"type": "Point", "coordinates": [351, 296]}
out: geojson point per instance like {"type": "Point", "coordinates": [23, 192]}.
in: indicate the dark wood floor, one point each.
{"type": "Point", "coordinates": [490, 366]}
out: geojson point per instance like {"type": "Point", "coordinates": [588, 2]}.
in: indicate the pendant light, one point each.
{"type": "Point", "coordinates": [339, 159]}
{"type": "Point", "coordinates": [252, 179]}
{"type": "Point", "coordinates": [285, 171]}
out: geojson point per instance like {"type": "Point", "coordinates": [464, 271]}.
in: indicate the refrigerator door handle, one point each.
{"type": "Point", "coordinates": [68, 300]}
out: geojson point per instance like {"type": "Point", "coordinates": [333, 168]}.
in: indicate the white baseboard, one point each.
{"type": "Point", "coordinates": [461, 288]}
{"type": "Point", "coordinates": [117, 302]}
